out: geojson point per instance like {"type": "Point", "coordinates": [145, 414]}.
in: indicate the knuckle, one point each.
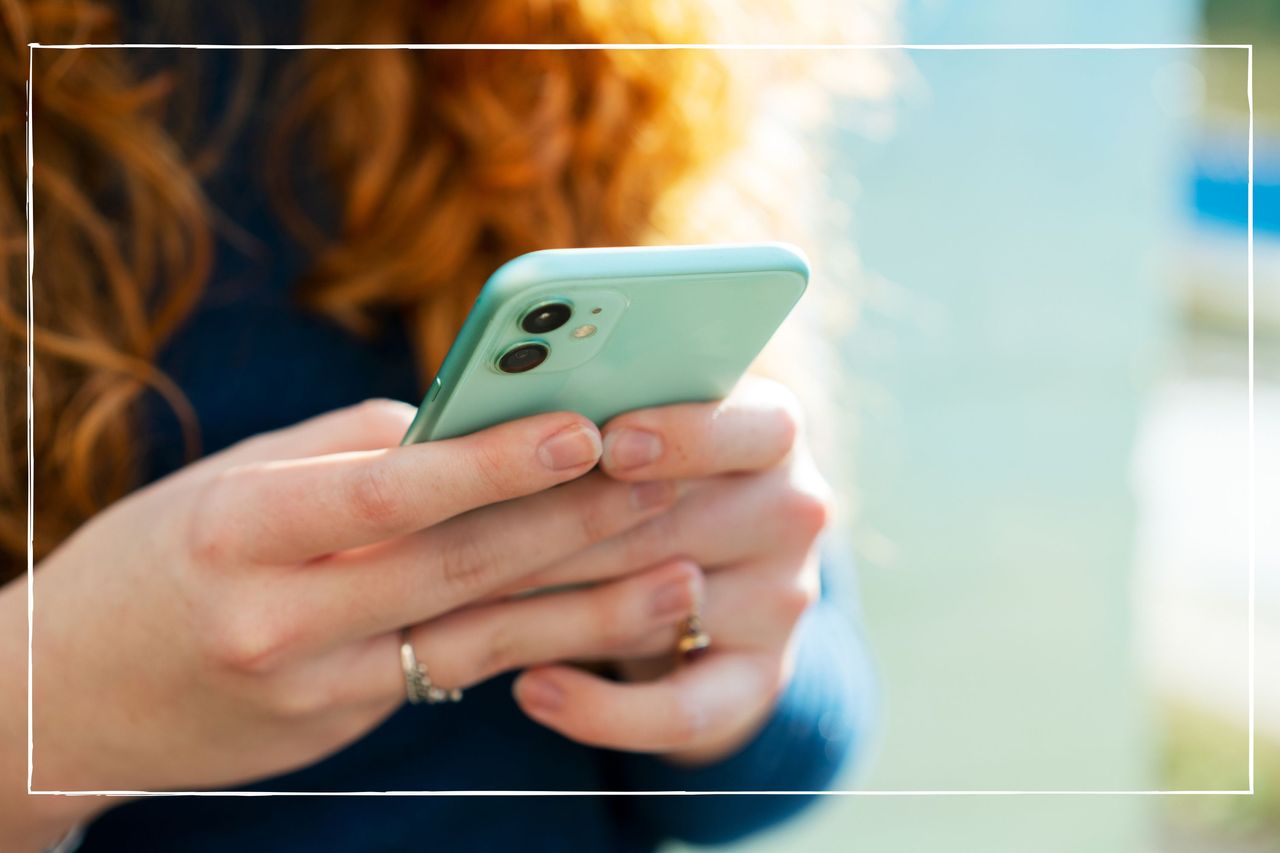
{"type": "Point", "coordinates": [807, 510]}
{"type": "Point", "coordinates": [490, 467]}
{"type": "Point", "coordinates": [466, 564]}
{"type": "Point", "coordinates": [781, 403]}
{"type": "Point", "coordinates": [374, 496]}
{"type": "Point", "coordinates": [640, 546]}
{"type": "Point", "coordinates": [790, 421]}
{"type": "Point", "coordinates": [666, 534]}
{"type": "Point", "coordinates": [501, 653]}
{"type": "Point", "coordinates": [595, 517]}
{"type": "Point", "coordinates": [244, 639]}
{"type": "Point", "coordinates": [612, 624]}
{"type": "Point", "coordinates": [654, 540]}
{"type": "Point", "coordinates": [209, 535]}
{"type": "Point", "coordinates": [792, 600]}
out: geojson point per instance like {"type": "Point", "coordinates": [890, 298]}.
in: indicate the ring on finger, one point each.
{"type": "Point", "coordinates": [694, 640]}
{"type": "Point", "coordinates": [418, 687]}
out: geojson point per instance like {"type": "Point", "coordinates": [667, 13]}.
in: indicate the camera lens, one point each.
{"type": "Point", "coordinates": [546, 318]}
{"type": "Point", "coordinates": [522, 357]}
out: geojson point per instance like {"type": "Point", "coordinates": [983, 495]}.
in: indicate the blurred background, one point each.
{"type": "Point", "coordinates": [1048, 378]}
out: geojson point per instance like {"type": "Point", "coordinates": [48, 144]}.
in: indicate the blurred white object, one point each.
{"type": "Point", "coordinates": [1191, 481]}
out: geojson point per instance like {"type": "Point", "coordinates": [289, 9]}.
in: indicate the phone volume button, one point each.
{"type": "Point", "coordinates": [435, 390]}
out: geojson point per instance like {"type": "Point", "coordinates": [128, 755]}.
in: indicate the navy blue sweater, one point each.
{"type": "Point", "coordinates": [251, 360]}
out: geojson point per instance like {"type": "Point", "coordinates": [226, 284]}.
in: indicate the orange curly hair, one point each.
{"type": "Point", "coordinates": [445, 164]}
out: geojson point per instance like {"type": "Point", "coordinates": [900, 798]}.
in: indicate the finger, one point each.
{"type": "Point", "coordinates": [754, 428]}
{"type": "Point", "coordinates": [369, 425]}
{"type": "Point", "coordinates": [744, 608]}
{"type": "Point", "coordinates": [726, 520]}
{"type": "Point", "coordinates": [470, 646]}
{"type": "Point", "coordinates": [295, 510]}
{"type": "Point", "coordinates": [458, 562]}
{"type": "Point", "coordinates": [673, 713]}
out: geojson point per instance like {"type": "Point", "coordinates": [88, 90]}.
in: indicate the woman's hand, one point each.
{"type": "Point", "coordinates": [752, 507]}
{"type": "Point", "coordinates": [241, 618]}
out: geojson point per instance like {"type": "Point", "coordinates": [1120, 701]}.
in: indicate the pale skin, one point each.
{"type": "Point", "coordinates": [241, 617]}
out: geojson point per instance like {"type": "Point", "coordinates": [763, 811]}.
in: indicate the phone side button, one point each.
{"type": "Point", "coordinates": [435, 390]}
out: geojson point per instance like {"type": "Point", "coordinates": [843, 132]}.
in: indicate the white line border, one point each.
{"type": "Point", "coordinates": [1252, 485]}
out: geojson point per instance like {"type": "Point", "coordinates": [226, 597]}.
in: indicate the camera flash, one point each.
{"type": "Point", "coordinates": [584, 331]}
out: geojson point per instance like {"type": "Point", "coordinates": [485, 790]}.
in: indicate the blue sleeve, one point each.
{"type": "Point", "coordinates": [821, 721]}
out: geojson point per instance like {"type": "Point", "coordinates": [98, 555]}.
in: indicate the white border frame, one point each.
{"type": "Point", "coordinates": [1252, 519]}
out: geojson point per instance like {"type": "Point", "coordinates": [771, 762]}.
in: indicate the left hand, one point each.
{"type": "Point", "coordinates": [751, 508]}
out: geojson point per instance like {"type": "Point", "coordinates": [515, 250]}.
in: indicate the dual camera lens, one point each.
{"type": "Point", "coordinates": [523, 357]}
{"type": "Point", "coordinates": [546, 318]}
{"type": "Point", "coordinates": [540, 320]}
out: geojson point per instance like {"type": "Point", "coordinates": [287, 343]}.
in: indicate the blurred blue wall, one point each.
{"type": "Point", "coordinates": [1015, 230]}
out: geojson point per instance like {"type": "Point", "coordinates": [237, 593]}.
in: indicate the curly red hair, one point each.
{"type": "Point", "coordinates": [445, 164]}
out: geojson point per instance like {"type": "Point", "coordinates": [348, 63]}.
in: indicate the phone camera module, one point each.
{"type": "Point", "coordinates": [546, 318]}
{"type": "Point", "coordinates": [523, 357]}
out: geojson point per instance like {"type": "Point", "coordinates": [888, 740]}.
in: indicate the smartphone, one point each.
{"type": "Point", "coordinates": [606, 331]}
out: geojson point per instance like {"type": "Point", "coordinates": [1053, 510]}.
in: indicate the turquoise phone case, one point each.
{"type": "Point", "coordinates": [672, 325]}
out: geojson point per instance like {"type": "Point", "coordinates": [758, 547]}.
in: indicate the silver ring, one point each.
{"type": "Point", "coordinates": [418, 687]}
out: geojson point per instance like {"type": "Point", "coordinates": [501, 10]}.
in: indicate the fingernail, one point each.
{"type": "Point", "coordinates": [571, 447]}
{"type": "Point", "coordinates": [631, 448]}
{"type": "Point", "coordinates": [540, 694]}
{"type": "Point", "coordinates": [652, 494]}
{"type": "Point", "coordinates": [674, 598]}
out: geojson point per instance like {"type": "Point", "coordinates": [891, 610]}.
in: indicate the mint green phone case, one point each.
{"type": "Point", "coordinates": [672, 325]}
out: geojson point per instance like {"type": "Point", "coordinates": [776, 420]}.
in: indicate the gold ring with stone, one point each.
{"type": "Point", "coordinates": [694, 641]}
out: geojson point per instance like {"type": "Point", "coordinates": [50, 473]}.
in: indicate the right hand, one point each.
{"type": "Point", "coordinates": [240, 618]}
